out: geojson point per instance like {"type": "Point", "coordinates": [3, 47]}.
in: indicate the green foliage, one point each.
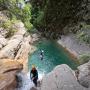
{"type": "Point", "coordinates": [19, 10]}
{"type": "Point", "coordinates": [26, 13]}
{"type": "Point", "coordinates": [29, 26]}
{"type": "Point", "coordinates": [38, 20]}
{"type": "Point", "coordinates": [84, 37]}
{"type": "Point", "coordinates": [84, 58]}
{"type": "Point", "coordinates": [8, 25]}
{"type": "Point", "coordinates": [84, 34]}
{"type": "Point", "coordinates": [53, 15]}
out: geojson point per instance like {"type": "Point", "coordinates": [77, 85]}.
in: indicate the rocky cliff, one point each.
{"type": "Point", "coordinates": [17, 46]}
{"type": "Point", "coordinates": [73, 45]}
{"type": "Point", "coordinates": [14, 51]}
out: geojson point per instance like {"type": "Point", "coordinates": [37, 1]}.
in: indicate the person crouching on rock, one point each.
{"type": "Point", "coordinates": [34, 75]}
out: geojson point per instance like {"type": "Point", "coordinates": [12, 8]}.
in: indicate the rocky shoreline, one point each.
{"type": "Point", "coordinates": [75, 47]}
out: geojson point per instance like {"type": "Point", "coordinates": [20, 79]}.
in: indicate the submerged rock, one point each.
{"type": "Point", "coordinates": [61, 78]}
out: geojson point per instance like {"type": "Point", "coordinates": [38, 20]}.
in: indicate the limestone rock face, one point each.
{"type": "Point", "coordinates": [8, 71]}
{"type": "Point", "coordinates": [20, 28]}
{"type": "Point", "coordinates": [12, 45]}
{"type": "Point", "coordinates": [14, 52]}
{"type": "Point", "coordinates": [24, 49]}
{"type": "Point", "coordinates": [3, 41]}
{"type": "Point", "coordinates": [84, 74]}
{"type": "Point", "coordinates": [35, 37]}
{"type": "Point", "coordinates": [72, 44]}
{"type": "Point", "coordinates": [3, 32]}
{"type": "Point", "coordinates": [61, 78]}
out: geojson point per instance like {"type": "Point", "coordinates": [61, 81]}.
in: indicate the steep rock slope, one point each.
{"type": "Point", "coordinates": [61, 78]}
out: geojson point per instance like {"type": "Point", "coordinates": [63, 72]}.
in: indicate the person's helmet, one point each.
{"type": "Point", "coordinates": [33, 67]}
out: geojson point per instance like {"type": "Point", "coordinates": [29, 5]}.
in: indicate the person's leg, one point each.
{"type": "Point", "coordinates": [35, 82]}
{"type": "Point", "coordinates": [41, 58]}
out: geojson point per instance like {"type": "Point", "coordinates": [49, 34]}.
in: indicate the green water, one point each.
{"type": "Point", "coordinates": [54, 55]}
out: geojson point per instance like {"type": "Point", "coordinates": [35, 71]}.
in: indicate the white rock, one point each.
{"type": "Point", "coordinates": [3, 41]}
{"type": "Point", "coordinates": [3, 32]}
{"type": "Point", "coordinates": [9, 50]}
{"type": "Point", "coordinates": [25, 49]}
{"type": "Point", "coordinates": [20, 28]}
{"type": "Point", "coordinates": [61, 78]}
{"type": "Point", "coordinates": [35, 37]}
{"type": "Point", "coordinates": [84, 74]}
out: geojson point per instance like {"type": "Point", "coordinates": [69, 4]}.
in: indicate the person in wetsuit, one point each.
{"type": "Point", "coordinates": [41, 54]}
{"type": "Point", "coordinates": [34, 75]}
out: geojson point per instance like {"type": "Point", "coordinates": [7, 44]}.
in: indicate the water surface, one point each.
{"type": "Point", "coordinates": [54, 55]}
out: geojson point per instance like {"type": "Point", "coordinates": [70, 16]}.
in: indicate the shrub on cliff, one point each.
{"type": "Point", "coordinates": [8, 25]}
{"type": "Point", "coordinates": [18, 9]}
{"type": "Point", "coordinates": [84, 34]}
{"type": "Point", "coordinates": [84, 58]}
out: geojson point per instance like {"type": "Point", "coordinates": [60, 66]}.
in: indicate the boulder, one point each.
{"type": "Point", "coordinates": [3, 32]}
{"type": "Point", "coordinates": [13, 44]}
{"type": "Point", "coordinates": [3, 42]}
{"type": "Point", "coordinates": [20, 28]}
{"type": "Point", "coordinates": [35, 37]}
{"type": "Point", "coordinates": [61, 78]}
{"type": "Point", "coordinates": [84, 74]}
{"type": "Point", "coordinates": [24, 50]}
{"type": "Point", "coordinates": [8, 71]}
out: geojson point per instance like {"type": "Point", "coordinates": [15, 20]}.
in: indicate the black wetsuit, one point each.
{"type": "Point", "coordinates": [41, 55]}
{"type": "Point", "coordinates": [34, 74]}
